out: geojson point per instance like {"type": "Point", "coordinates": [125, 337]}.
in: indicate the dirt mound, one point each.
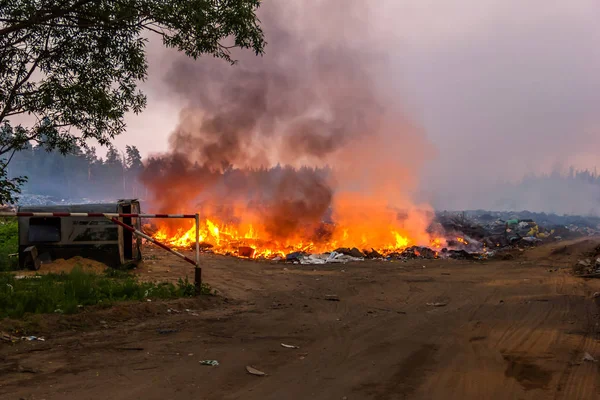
{"type": "Point", "coordinates": [565, 252]}
{"type": "Point", "coordinates": [62, 265]}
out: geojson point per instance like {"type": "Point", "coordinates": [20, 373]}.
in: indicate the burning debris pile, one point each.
{"type": "Point", "coordinates": [450, 235]}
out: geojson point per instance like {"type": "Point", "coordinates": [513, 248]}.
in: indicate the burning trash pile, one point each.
{"type": "Point", "coordinates": [253, 234]}
{"type": "Point", "coordinates": [464, 236]}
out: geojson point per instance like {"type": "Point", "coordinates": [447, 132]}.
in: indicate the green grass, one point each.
{"type": "Point", "coordinates": [68, 292]}
{"type": "Point", "coordinates": [9, 244]}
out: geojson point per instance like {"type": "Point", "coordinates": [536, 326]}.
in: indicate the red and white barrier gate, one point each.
{"type": "Point", "coordinates": [114, 217]}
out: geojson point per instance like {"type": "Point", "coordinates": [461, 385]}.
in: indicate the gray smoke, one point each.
{"type": "Point", "coordinates": [312, 99]}
{"type": "Point", "coordinates": [505, 89]}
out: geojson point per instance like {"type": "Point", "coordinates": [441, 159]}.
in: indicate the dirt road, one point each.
{"type": "Point", "coordinates": [514, 329]}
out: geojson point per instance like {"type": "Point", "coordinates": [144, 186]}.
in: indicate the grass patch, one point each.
{"type": "Point", "coordinates": [9, 244]}
{"type": "Point", "coordinates": [69, 292]}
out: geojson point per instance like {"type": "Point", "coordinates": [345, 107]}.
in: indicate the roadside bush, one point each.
{"type": "Point", "coordinates": [9, 244]}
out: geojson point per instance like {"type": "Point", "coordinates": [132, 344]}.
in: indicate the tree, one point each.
{"type": "Point", "coordinates": [71, 67]}
{"type": "Point", "coordinates": [112, 157]}
{"type": "Point", "coordinates": [133, 158]}
{"type": "Point", "coordinates": [133, 162]}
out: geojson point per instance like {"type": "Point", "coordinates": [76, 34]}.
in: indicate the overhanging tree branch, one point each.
{"type": "Point", "coordinates": [90, 56]}
{"type": "Point", "coordinates": [40, 18]}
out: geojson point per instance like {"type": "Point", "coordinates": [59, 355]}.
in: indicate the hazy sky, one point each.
{"type": "Point", "coordinates": [502, 88]}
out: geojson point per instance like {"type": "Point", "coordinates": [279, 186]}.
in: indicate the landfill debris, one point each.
{"type": "Point", "coordinates": [314, 259]}
{"type": "Point", "coordinates": [246, 251]}
{"type": "Point", "coordinates": [254, 371]}
{"type": "Point", "coordinates": [335, 257]}
{"type": "Point", "coordinates": [324, 258]}
{"type": "Point", "coordinates": [373, 254]}
{"type": "Point", "coordinates": [437, 304]}
{"type": "Point", "coordinates": [27, 199]}
{"type": "Point", "coordinates": [588, 357]}
{"type": "Point", "coordinates": [295, 256]}
{"type": "Point", "coordinates": [353, 252]}
{"type": "Point", "coordinates": [289, 346]}
{"type": "Point", "coordinates": [33, 338]}
{"type": "Point", "coordinates": [589, 267]}
{"type": "Point", "coordinates": [7, 337]}
{"type": "Point", "coordinates": [211, 363]}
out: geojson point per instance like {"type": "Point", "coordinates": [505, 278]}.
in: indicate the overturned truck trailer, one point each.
{"type": "Point", "coordinates": [42, 239]}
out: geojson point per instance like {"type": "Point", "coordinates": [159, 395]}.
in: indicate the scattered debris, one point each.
{"type": "Point", "coordinates": [289, 346]}
{"type": "Point", "coordinates": [7, 337]}
{"type": "Point", "coordinates": [211, 363]}
{"type": "Point", "coordinates": [33, 339]}
{"type": "Point", "coordinates": [437, 304]}
{"type": "Point", "coordinates": [373, 254]}
{"type": "Point", "coordinates": [335, 257]}
{"type": "Point", "coordinates": [353, 252]}
{"type": "Point", "coordinates": [589, 267]}
{"type": "Point", "coordinates": [295, 256]}
{"type": "Point", "coordinates": [28, 277]}
{"type": "Point", "coordinates": [254, 371]}
{"type": "Point", "coordinates": [246, 251]}
{"type": "Point", "coordinates": [588, 357]}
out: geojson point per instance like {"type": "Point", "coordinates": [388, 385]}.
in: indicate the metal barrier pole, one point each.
{"type": "Point", "coordinates": [198, 270]}
{"type": "Point", "coordinates": [150, 239]}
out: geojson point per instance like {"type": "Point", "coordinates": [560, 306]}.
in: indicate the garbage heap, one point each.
{"type": "Point", "coordinates": [590, 265]}
{"type": "Point", "coordinates": [473, 235]}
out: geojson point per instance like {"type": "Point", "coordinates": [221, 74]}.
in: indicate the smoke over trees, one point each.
{"type": "Point", "coordinates": [70, 69]}
{"type": "Point", "coordinates": [312, 99]}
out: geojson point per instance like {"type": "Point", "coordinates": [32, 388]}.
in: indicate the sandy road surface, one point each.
{"type": "Point", "coordinates": [507, 330]}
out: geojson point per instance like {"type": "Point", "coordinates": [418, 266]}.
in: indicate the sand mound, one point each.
{"type": "Point", "coordinates": [62, 265]}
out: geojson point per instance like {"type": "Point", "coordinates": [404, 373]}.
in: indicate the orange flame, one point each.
{"type": "Point", "coordinates": [224, 238]}
{"type": "Point", "coordinates": [462, 240]}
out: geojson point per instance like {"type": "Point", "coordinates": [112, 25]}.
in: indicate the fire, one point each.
{"type": "Point", "coordinates": [462, 240]}
{"type": "Point", "coordinates": [230, 239]}
{"type": "Point", "coordinates": [252, 241]}
{"type": "Point", "coordinates": [436, 243]}
{"type": "Point", "coordinates": [277, 228]}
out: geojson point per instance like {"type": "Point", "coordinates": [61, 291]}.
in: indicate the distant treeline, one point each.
{"type": "Point", "coordinates": [80, 174]}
